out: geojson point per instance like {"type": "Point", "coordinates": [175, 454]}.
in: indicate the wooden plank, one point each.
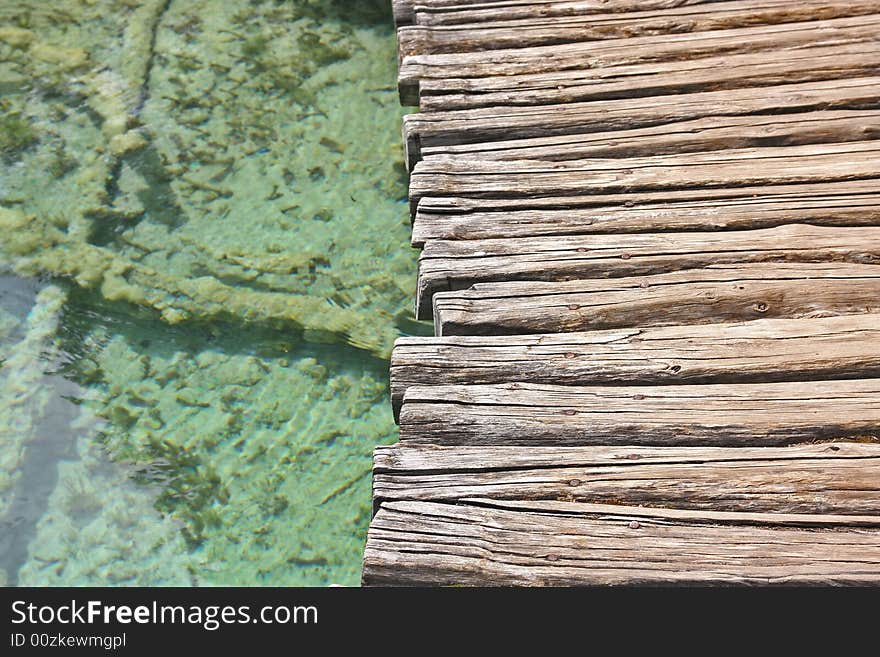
{"type": "Point", "coordinates": [405, 460]}
{"type": "Point", "coordinates": [721, 293]}
{"type": "Point", "coordinates": [654, 79]}
{"type": "Point", "coordinates": [537, 28]}
{"type": "Point", "coordinates": [439, 129]}
{"type": "Point", "coordinates": [716, 133]}
{"type": "Point", "coordinates": [723, 414]}
{"type": "Point", "coordinates": [808, 163]}
{"type": "Point", "coordinates": [827, 478]}
{"type": "Point", "coordinates": [459, 264]}
{"type": "Point", "coordinates": [776, 39]}
{"type": "Point", "coordinates": [457, 12]}
{"type": "Point", "coordinates": [757, 351]}
{"type": "Point", "coordinates": [427, 543]}
{"type": "Point", "coordinates": [840, 203]}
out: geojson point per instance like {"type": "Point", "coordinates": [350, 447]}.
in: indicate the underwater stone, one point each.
{"type": "Point", "coordinates": [17, 37]}
{"type": "Point", "coordinates": [66, 58]}
{"type": "Point", "coordinates": [127, 143]}
{"type": "Point", "coordinates": [247, 254]}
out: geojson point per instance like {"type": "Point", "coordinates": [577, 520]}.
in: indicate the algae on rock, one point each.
{"type": "Point", "coordinates": [214, 140]}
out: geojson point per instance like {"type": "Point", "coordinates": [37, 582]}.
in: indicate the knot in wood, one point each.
{"type": "Point", "coordinates": [570, 354]}
{"type": "Point", "coordinates": [634, 524]}
{"type": "Point", "coordinates": [761, 307]}
{"type": "Point", "coordinates": [574, 482]}
{"type": "Point", "coordinates": [569, 411]}
{"type": "Point", "coordinates": [573, 306]}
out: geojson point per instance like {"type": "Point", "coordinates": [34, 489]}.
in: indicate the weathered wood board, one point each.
{"type": "Point", "coordinates": [540, 24]}
{"type": "Point", "coordinates": [491, 124]}
{"type": "Point", "coordinates": [840, 203]}
{"type": "Point", "coordinates": [717, 133]}
{"type": "Point", "coordinates": [757, 351]}
{"type": "Point", "coordinates": [460, 264]}
{"type": "Point", "coordinates": [778, 41]}
{"type": "Point", "coordinates": [734, 414]}
{"type": "Point", "coordinates": [776, 165]}
{"type": "Point", "coordinates": [538, 543]}
{"type": "Point", "coordinates": [651, 238]}
{"type": "Point", "coordinates": [720, 293]}
{"type": "Point", "coordinates": [824, 478]}
{"type": "Point", "coordinates": [453, 12]}
{"type": "Point", "coordinates": [654, 79]}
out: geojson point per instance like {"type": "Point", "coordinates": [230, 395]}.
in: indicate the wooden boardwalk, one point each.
{"type": "Point", "coordinates": [650, 235]}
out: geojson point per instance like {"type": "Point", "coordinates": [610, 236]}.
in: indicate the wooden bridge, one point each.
{"type": "Point", "coordinates": [650, 236]}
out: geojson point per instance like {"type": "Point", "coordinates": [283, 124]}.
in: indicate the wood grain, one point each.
{"type": "Point", "coordinates": [717, 133]}
{"type": "Point", "coordinates": [839, 203]}
{"type": "Point", "coordinates": [780, 40]}
{"type": "Point", "coordinates": [651, 238]}
{"type": "Point", "coordinates": [654, 79]}
{"type": "Point", "coordinates": [454, 12]}
{"type": "Point", "coordinates": [479, 178]}
{"type": "Point", "coordinates": [757, 351]}
{"type": "Point", "coordinates": [430, 544]}
{"type": "Point", "coordinates": [734, 414]}
{"type": "Point", "coordinates": [826, 478]}
{"type": "Point", "coordinates": [459, 264]}
{"type": "Point", "coordinates": [721, 293]}
{"type": "Point", "coordinates": [438, 129]}
{"type": "Point", "coordinates": [542, 26]}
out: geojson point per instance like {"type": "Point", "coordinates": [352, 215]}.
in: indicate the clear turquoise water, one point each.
{"type": "Point", "coordinates": [204, 261]}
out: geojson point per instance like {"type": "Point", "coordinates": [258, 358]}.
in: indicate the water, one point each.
{"type": "Point", "coordinates": [204, 261]}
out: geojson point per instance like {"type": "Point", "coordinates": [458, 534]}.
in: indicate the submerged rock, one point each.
{"type": "Point", "coordinates": [231, 222]}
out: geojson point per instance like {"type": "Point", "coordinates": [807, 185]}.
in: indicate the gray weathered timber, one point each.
{"type": "Point", "coordinates": [540, 29]}
{"type": "Point", "coordinates": [778, 41]}
{"type": "Point", "coordinates": [776, 165]}
{"type": "Point", "coordinates": [654, 79]}
{"type": "Point", "coordinates": [651, 238]}
{"type": "Point", "coordinates": [720, 293]}
{"type": "Point", "coordinates": [826, 478]}
{"type": "Point", "coordinates": [716, 133]}
{"type": "Point", "coordinates": [840, 203]}
{"type": "Point", "coordinates": [756, 351]}
{"type": "Point", "coordinates": [438, 129]}
{"type": "Point", "coordinates": [722, 414]}
{"type": "Point", "coordinates": [459, 264]}
{"type": "Point", "coordinates": [455, 12]}
{"type": "Point", "coordinates": [476, 543]}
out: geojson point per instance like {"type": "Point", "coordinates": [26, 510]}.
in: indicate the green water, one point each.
{"type": "Point", "coordinates": [204, 261]}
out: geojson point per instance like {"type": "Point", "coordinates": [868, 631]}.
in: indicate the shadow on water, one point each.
{"type": "Point", "coordinates": [157, 197]}
{"type": "Point", "coordinates": [85, 312]}
{"type": "Point", "coordinates": [50, 443]}
{"type": "Point", "coordinates": [361, 13]}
